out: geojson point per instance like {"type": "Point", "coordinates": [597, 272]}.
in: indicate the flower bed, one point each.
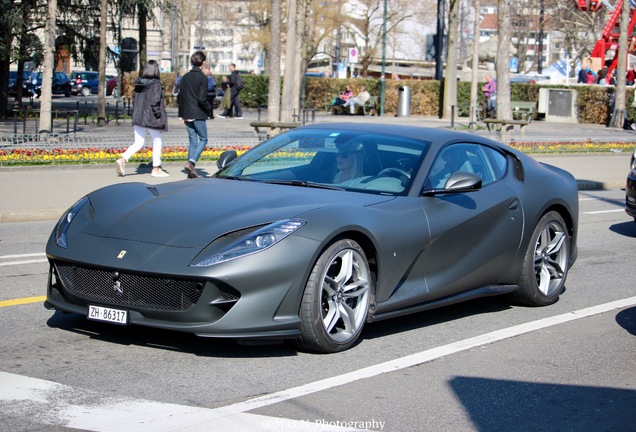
{"type": "Point", "coordinates": [572, 147]}
{"type": "Point", "coordinates": [102, 155]}
{"type": "Point", "coordinates": [38, 156]}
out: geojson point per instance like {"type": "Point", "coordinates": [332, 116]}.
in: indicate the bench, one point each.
{"type": "Point", "coordinates": [505, 125]}
{"type": "Point", "coordinates": [369, 107]}
{"type": "Point", "coordinates": [273, 128]}
{"type": "Point", "coordinates": [522, 110]}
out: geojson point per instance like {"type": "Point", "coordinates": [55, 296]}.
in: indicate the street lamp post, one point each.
{"type": "Point", "coordinates": [172, 35]}
{"type": "Point", "coordinates": [201, 25]}
{"type": "Point", "coordinates": [382, 79]}
{"type": "Point", "coordinates": [540, 57]}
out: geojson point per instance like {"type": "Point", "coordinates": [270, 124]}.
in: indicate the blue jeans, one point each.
{"type": "Point", "coordinates": [198, 136]}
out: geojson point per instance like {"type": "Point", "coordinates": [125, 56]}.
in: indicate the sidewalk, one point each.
{"type": "Point", "coordinates": [45, 192]}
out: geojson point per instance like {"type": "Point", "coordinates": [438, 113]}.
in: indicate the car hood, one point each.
{"type": "Point", "coordinates": [192, 213]}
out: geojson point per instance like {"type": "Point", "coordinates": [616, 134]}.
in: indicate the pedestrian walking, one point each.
{"type": "Point", "coordinates": [194, 110]}
{"type": "Point", "coordinates": [149, 117]}
{"type": "Point", "coordinates": [207, 71]}
{"type": "Point", "coordinates": [225, 104]}
{"type": "Point", "coordinates": [236, 85]}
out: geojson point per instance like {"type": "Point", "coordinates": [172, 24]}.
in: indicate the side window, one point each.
{"type": "Point", "coordinates": [456, 157]}
{"type": "Point", "coordinates": [497, 161]}
{"type": "Point", "coordinates": [484, 161]}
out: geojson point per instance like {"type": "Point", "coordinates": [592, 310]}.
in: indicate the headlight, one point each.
{"type": "Point", "coordinates": [65, 222]}
{"type": "Point", "coordinates": [256, 241]}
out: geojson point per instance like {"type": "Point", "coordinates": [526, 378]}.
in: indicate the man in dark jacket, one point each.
{"type": "Point", "coordinates": [235, 88]}
{"type": "Point", "coordinates": [194, 109]}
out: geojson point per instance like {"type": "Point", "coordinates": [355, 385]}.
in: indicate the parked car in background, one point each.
{"type": "Point", "coordinates": [84, 82]}
{"type": "Point", "coordinates": [13, 77]}
{"type": "Point", "coordinates": [61, 84]}
{"type": "Point", "coordinates": [112, 88]}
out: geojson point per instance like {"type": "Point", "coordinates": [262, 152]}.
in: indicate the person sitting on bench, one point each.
{"type": "Point", "coordinates": [360, 99]}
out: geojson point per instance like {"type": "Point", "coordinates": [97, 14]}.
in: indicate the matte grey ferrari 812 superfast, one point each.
{"type": "Point", "coordinates": [317, 231]}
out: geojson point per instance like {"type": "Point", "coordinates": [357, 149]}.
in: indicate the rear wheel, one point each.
{"type": "Point", "coordinates": [86, 91]}
{"type": "Point", "coordinates": [115, 93]}
{"type": "Point", "coordinates": [336, 300]}
{"type": "Point", "coordinates": [546, 262]}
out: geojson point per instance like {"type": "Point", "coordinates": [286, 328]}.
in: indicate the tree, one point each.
{"type": "Point", "coordinates": [49, 63]}
{"type": "Point", "coordinates": [7, 19]}
{"type": "Point", "coordinates": [619, 114]}
{"type": "Point", "coordinates": [475, 66]}
{"type": "Point", "coordinates": [367, 25]}
{"type": "Point", "coordinates": [450, 76]}
{"type": "Point", "coordinates": [18, 22]}
{"type": "Point", "coordinates": [503, 60]}
{"type": "Point", "coordinates": [273, 106]}
{"type": "Point", "coordinates": [101, 93]}
{"type": "Point", "coordinates": [581, 28]}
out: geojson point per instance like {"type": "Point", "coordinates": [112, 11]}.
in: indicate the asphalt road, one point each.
{"type": "Point", "coordinates": [479, 366]}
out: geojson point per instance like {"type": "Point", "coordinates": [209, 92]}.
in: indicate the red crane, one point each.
{"type": "Point", "coordinates": [611, 31]}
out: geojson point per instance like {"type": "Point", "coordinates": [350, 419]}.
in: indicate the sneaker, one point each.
{"type": "Point", "coordinates": [159, 173]}
{"type": "Point", "coordinates": [239, 117]}
{"type": "Point", "coordinates": [220, 116]}
{"type": "Point", "coordinates": [119, 167]}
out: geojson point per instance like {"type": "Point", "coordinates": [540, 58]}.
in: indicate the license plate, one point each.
{"type": "Point", "coordinates": [99, 313]}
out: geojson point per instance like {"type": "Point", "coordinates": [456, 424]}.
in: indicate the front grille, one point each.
{"type": "Point", "coordinates": [129, 290]}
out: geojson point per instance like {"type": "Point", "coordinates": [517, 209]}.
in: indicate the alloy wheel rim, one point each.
{"type": "Point", "coordinates": [550, 258]}
{"type": "Point", "coordinates": [344, 297]}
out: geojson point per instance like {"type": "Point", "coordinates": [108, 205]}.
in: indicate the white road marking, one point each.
{"type": "Point", "coordinates": [10, 263]}
{"type": "Point", "coordinates": [41, 254]}
{"type": "Point", "coordinates": [29, 261]}
{"type": "Point", "coordinates": [106, 414]}
{"type": "Point", "coordinates": [605, 211]}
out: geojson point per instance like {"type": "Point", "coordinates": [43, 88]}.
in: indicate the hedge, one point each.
{"type": "Point", "coordinates": [593, 101]}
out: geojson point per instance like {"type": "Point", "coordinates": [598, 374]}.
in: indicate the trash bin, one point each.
{"type": "Point", "coordinates": [404, 102]}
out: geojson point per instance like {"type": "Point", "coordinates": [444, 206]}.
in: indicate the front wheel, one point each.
{"type": "Point", "coordinates": [336, 300]}
{"type": "Point", "coordinates": [546, 263]}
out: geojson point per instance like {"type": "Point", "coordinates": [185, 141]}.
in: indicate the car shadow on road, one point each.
{"type": "Point", "coordinates": [627, 229]}
{"type": "Point", "coordinates": [231, 348]}
{"type": "Point", "coordinates": [503, 405]}
{"type": "Point", "coordinates": [627, 319]}
{"type": "Point", "coordinates": [169, 340]}
{"type": "Point", "coordinates": [435, 316]}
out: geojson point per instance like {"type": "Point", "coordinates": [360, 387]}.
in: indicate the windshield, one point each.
{"type": "Point", "coordinates": [347, 160]}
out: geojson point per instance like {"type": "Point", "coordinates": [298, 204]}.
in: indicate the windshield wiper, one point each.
{"type": "Point", "coordinates": [303, 183]}
{"type": "Point", "coordinates": [231, 178]}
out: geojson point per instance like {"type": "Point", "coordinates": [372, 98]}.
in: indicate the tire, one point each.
{"type": "Point", "coordinates": [336, 299]}
{"type": "Point", "coordinates": [546, 263]}
{"type": "Point", "coordinates": [86, 91]}
{"type": "Point", "coordinates": [114, 93]}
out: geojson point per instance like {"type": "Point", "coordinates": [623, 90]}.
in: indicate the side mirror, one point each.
{"type": "Point", "coordinates": [458, 182]}
{"type": "Point", "coordinates": [226, 158]}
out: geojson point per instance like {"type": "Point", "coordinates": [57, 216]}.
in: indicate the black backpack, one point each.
{"type": "Point", "coordinates": [239, 82]}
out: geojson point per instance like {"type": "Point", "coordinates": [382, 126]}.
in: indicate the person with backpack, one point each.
{"type": "Point", "coordinates": [235, 86]}
{"type": "Point", "coordinates": [149, 117]}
